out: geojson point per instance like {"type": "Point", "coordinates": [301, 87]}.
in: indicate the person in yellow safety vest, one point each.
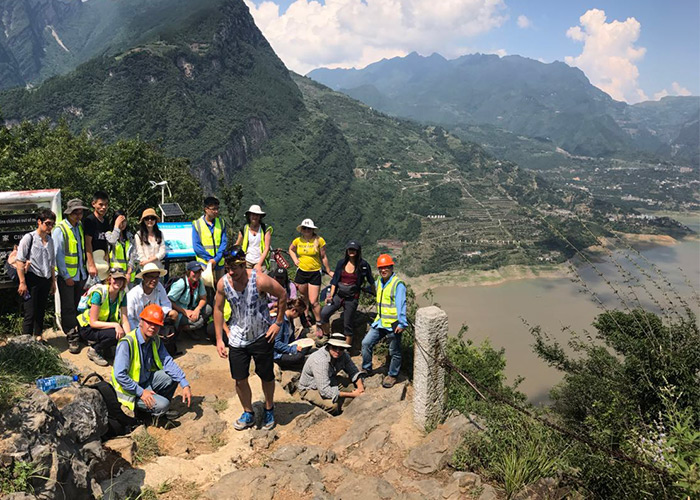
{"type": "Point", "coordinates": [144, 375]}
{"type": "Point", "coordinates": [105, 321]}
{"type": "Point", "coordinates": [390, 321]}
{"type": "Point", "coordinates": [71, 268]}
{"type": "Point", "coordinates": [122, 251]}
{"type": "Point", "coordinates": [209, 238]}
{"type": "Point", "coordinates": [254, 238]}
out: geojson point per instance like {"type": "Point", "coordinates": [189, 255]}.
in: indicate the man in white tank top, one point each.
{"type": "Point", "coordinates": [252, 331]}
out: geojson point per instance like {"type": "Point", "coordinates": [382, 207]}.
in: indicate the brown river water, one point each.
{"type": "Point", "coordinates": [499, 312]}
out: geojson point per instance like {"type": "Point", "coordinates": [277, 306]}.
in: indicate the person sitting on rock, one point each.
{"type": "Point", "coordinates": [189, 299]}
{"type": "Point", "coordinates": [290, 356]}
{"type": "Point", "coordinates": [144, 375]}
{"type": "Point", "coordinates": [104, 321]}
{"type": "Point", "coordinates": [319, 383]}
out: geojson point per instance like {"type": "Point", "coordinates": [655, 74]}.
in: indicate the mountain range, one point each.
{"type": "Point", "coordinates": [204, 83]}
{"type": "Point", "coordinates": [551, 102]}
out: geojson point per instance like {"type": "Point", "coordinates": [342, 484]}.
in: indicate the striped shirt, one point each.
{"type": "Point", "coordinates": [42, 258]}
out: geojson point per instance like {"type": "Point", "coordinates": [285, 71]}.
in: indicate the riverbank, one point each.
{"type": "Point", "coordinates": [474, 277]}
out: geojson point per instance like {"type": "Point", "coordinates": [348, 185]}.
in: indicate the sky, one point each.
{"type": "Point", "coordinates": [635, 50]}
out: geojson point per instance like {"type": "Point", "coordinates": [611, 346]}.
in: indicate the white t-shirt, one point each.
{"type": "Point", "coordinates": [137, 300]}
{"type": "Point", "coordinates": [252, 255]}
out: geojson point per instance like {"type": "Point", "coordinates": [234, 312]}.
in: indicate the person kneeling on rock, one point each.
{"type": "Point", "coordinates": [319, 383]}
{"type": "Point", "coordinates": [144, 374]}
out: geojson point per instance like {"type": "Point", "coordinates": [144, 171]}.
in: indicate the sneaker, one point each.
{"type": "Point", "coordinates": [96, 357]}
{"type": "Point", "coordinates": [389, 382]}
{"type": "Point", "coordinates": [246, 420]}
{"type": "Point", "coordinates": [269, 420]}
{"type": "Point", "coordinates": [365, 373]}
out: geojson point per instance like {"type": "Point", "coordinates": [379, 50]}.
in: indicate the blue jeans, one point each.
{"type": "Point", "coordinates": [164, 389]}
{"type": "Point", "coordinates": [373, 336]}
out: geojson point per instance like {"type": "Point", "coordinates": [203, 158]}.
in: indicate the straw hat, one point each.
{"type": "Point", "coordinates": [147, 212]}
{"type": "Point", "coordinates": [101, 264]}
{"type": "Point", "coordinates": [306, 223]}
{"type": "Point", "coordinates": [151, 267]}
{"type": "Point", "coordinates": [208, 276]}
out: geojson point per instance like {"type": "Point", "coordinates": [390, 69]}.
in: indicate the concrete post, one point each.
{"type": "Point", "coordinates": [428, 374]}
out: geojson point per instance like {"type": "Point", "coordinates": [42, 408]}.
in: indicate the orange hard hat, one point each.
{"type": "Point", "coordinates": [153, 313]}
{"type": "Point", "coordinates": [385, 260]}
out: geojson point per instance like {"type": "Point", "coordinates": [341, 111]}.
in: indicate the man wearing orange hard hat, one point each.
{"type": "Point", "coordinates": [390, 321]}
{"type": "Point", "coordinates": [144, 374]}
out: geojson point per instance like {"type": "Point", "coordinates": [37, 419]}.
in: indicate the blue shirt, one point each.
{"type": "Point", "coordinates": [199, 248]}
{"type": "Point", "coordinates": [58, 243]}
{"type": "Point", "coordinates": [122, 362]}
{"type": "Point", "coordinates": [284, 337]}
{"type": "Point", "coordinates": [400, 299]}
{"type": "Point", "coordinates": [180, 293]}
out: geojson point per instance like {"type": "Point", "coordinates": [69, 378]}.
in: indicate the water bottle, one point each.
{"type": "Point", "coordinates": [55, 382]}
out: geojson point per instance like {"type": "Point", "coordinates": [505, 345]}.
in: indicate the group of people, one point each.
{"type": "Point", "coordinates": [129, 312]}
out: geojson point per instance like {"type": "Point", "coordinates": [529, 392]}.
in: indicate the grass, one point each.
{"type": "Point", "coordinates": [147, 447]}
{"type": "Point", "coordinates": [216, 441]}
{"type": "Point", "coordinates": [17, 477]}
{"type": "Point", "coordinates": [220, 405]}
{"type": "Point", "coordinates": [21, 364]}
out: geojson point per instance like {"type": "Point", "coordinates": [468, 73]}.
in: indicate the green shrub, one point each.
{"type": "Point", "coordinates": [22, 364]}
{"type": "Point", "coordinates": [17, 477]}
{"type": "Point", "coordinates": [147, 447]}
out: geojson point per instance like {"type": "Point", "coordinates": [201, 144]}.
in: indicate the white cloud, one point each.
{"type": "Point", "coordinates": [609, 54]}
{"type": "Point", "coordinates": [524, 22]}
{"type": "Point", "coordinates": [345, 33]}
{"type": "Point", "coordinates": [676, 89]}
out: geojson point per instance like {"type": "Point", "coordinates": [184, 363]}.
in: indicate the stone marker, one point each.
{"type": "Point", "coordinates": [428, 374]}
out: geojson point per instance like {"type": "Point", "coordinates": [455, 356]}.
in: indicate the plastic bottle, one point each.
{"type": "Point", "coordinates": [55, 382]}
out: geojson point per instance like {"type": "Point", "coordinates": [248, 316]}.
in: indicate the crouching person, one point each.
{"type": "Point", "coordinates": [144, 375]}
{"type": "Point", "coordinates": [319, 383]}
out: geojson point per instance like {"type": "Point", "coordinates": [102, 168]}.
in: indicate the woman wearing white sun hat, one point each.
{"type": "Point", "coordinates": [308, 252]}
{"type": "Point", "coordinates": [254, 238]}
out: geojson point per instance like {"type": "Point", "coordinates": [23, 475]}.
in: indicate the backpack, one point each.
{"type": "Point", "coordinates": [10, 269]}
{"type": "Point", "coordinates": [85, 298]}
{"type": "Point", "coordinates": [119, 422]}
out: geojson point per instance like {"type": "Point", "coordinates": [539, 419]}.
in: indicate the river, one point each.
{"type": "Point", "coordinates": [498, 313]}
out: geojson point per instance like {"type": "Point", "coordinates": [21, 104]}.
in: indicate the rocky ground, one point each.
{"type": "Point", "coordinates": [372, 450]}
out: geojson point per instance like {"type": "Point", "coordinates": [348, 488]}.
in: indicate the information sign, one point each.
{"type": "Point", "coordinates": [178, 239]}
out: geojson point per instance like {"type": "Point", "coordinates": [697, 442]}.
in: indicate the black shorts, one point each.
{"type": "Point", "coordinates": [310, 277]}
{"type": "Point", "coordinates": [261, 351]}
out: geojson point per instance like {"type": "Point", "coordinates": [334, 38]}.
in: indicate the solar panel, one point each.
{"type": "Point", "coordinates": [171, 210]}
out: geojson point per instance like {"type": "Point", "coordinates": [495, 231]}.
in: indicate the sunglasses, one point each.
{"type": "Point", "coordinates": [337, 348]}
{"type": "Point", "coordinates": [150, 218]}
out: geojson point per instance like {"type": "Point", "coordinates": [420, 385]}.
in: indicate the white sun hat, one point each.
{"type": "Point", "coordinates": [255, 209]}
{"type": "Point", "coordinates": [306, 223]}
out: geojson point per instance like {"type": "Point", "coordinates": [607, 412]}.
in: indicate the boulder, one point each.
{"type": "Point", "coordinates": [488, 493]}
{"type": "Point", "coordinates": [310, 418]}
{"type": "Point", "coordinates": [125, 447]}
{"type": "Point", "coordinates": [437, 448]}
{"type": "Point", "coordinates": [364, 487]}
{"type": "Point", "coordinates": [63, 442]}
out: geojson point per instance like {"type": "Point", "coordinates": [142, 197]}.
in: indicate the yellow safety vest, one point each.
{"type": "Point", "coordinates": [118, 257]}
{"type": "Point", "coordinates": [125, 397]}
{"type": "Point", "coordinates": [84, 317]}
{"type": "Point", "coordinates": [211, 245]}
{"type": "Point", "coordinates": [70, 246]}
{"type": "Point", "coordinates": [244, 244]}
{"type": "Point", "coordinates": [387, 312]}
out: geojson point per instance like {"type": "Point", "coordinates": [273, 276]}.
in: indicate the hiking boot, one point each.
{"type": "Point", "coordinates": [96, 357]}
{"type": "Point", "coordinates": [73, 341]}
{"type": "Point", "coordinates": [246, 420]}
{"type": "Point", "coordinates": [269, 419]}
{"type": "Point", "coordinates": [389, 382]}
{"type": "Point", "coordinates": [366, 373]}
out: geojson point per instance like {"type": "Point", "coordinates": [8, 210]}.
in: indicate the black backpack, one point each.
{"type": "Point", "coordinates": [119, 422]}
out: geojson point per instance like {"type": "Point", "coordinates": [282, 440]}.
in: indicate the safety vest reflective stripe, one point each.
{"type": "Point", "coordinates": [118, 256]}
{"type": "Point", "coordinates": [387, 312]}
{"type": "Point", "coordinates": [84, 317]}
{"type": "Point", "coordinates": [70, 246]}
{"type": "Point", "coordinates": [125, 397]}
{"type": "Point", "coordinates": [244, 243]}
{"type": "Point", "coordinates": [210, 242]}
